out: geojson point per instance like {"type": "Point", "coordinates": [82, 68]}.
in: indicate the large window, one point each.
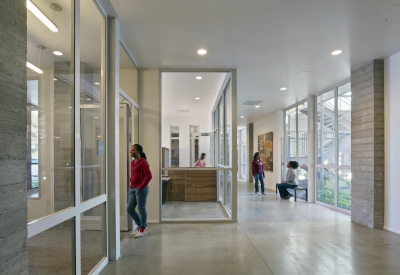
{"type": "Point", "coordinates": [296, 128]}
{"type": "Point", "coordinates": [333, 177]}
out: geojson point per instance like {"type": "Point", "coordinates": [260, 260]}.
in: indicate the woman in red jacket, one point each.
{"type": "Point", "coordinates": [139, 190]}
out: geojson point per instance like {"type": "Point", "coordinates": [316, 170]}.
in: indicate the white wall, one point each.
{"type": "Point", "coordinates": [392, 144]}
{"type": "Point", "coordinates": [184, 137]}
{"type": "Point", "coordinates": [272, 123]}
{"type": "Point", "coordinates": [149, 135]}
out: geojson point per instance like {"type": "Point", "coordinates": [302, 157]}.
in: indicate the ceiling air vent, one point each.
{"type": "Point", "coordinates": [183, 111]}
{"type": "Point", "coordinates": [251, 103]}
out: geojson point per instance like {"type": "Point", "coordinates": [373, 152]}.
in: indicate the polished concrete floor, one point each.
{"type": "Point", "coordinates": [175, 210]}
{"type": "Point", "coordinates": [273, 236]}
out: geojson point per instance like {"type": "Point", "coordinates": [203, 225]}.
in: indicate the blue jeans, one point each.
{"type": "Point", "coordinates": [138, 198]}
{"type": "Point", "coordinates": [282, 189]}
{"type": "Point", "coordinates": [261, 178]}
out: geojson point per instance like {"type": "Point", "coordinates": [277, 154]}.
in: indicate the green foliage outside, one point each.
{"type": "Point", "coordinates": [327, 193]}
{"type": "Point", "coordinates": [35, 183]}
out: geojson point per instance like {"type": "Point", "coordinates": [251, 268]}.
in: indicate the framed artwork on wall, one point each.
{"type": "Point", "coordinates": [265, 148]}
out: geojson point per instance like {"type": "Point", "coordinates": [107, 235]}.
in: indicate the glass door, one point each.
{"type": "Point", "coordinates": [125, 143]}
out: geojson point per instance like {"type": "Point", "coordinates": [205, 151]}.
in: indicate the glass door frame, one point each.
{"type": "Point", "coordinates": [231, 80]}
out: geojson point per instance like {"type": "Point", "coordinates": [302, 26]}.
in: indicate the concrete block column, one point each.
{"type": "Point", "coordinates": [250, 150]}
{"type": "Point", "coordinates": [13, 146]}
{"type": "Point", "coordinates": [367, 144]}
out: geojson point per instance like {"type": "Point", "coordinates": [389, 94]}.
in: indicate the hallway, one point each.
{"type": "Point", "coordinates": [273, 236]}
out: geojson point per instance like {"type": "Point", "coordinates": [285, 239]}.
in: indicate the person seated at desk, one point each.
{"type": "Point", "coordinates": [291, 180]}
{"type": "Point", "coordinates": [201, 162]}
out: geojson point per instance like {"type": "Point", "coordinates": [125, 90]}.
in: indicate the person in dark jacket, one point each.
{"type": "Point", "coordinates": [139, 190]}
{"type": "Point", "coordinates": [258, 173]}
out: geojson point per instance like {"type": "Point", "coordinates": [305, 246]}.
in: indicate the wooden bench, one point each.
{"type": "Point", "coordinates": [295, 189]}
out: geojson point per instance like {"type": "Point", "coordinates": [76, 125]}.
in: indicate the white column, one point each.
{"type": "Point", "coordinates": [311, 147]}
{"type": "Point", "coordinates": [112, 138]}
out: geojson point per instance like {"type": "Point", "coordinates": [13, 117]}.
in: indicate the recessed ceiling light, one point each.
{"type": "Point", "coordinates": [283, 89]}
{"type": "Point", "coordinates": [55, 79]}
{"type": "Point", "coordinates": [88, 99]}
{"type": "Point", "coordinates": [57, 53]}
{"type": "Point", "coordinates": [95, 117]}
{"type": "Point", "coordinates": [257, 106]}
{"type": "Point", "coordinates": [197, 98]}
{"type": "Point", "coordinates": [97, 83]}
{"type": "Point", "coordinates": [98, 136]}
{"type": "Point", "coordinates": [69, 107]}
{"type": "Point", "coordinates": [242, 117]}
{"type": "Point", "coordinates": [202, 51]}
{"type": "Point", "coordinates": [198, 77]}
{"type": "Point", "coordinates": [337, 52]}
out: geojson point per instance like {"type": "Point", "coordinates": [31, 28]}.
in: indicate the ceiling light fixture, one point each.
{"type": "Point", "coordinates": [202, 52]}
{"type": "Point", "coordinates": [88, 99]}
{"type": "Point", "coordinates": [197, 98]}
{"type": "Point", "coordinates": [55, 79]}
{"type": "Point", "coordinates": [97, 83]}
{"type": "Point", "coordinates": [337, 52]}
{"type": "Point", "coordinates": [69, 107]}
{"type": "Point", "coordinates": [41, 16]}
{"type": "Point", "coordinates": [198, 77]}
{"type": "Point", "coordinates": [257, 106]}
{"type": "Point", "coordinates": [58, 53]}
{"type": "Point", "coordinates": [33, 67]}
{"type": "Point", "coordinates": [242, 117]}
{"type": "Point", "coordinates": [283, 89]}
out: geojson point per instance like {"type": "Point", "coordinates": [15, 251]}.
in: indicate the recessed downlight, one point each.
{"type": "Point", "coordinates": [257, 106]}
{"type": "Point", "coordinates": [337, 52]}
{"type": "Point", "coordinates": [202, 51]}
{"type": "Point", "coordinates": [283, 89]}
{"type": "Point", "coordinates": [70, 107]}
{"type": "Point", "coordinates": [199, 77]}
{"type": "Point", "coordinates": [88, 99]}
{"type": "Point", "coordinates": [57, 53]}
{"type": "Point", "coordinates": [97, 83]}
{"type": "Point", "coordinates": [241, 116]}
{"type": "Point", "coordinates": [55, 79]}
{"type": "Point", "coordinates": [197, 98]}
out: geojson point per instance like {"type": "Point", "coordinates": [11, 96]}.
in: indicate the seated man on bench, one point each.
{"type": "Point", "coordinates": [291, 180]}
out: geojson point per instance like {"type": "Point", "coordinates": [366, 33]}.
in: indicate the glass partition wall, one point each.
{"type": "Point", "coordinates": [66, 186]}
{"type": "Point", "coordinates": [194, 188]}
{"type": "Point", "coordinates": [333, 126]}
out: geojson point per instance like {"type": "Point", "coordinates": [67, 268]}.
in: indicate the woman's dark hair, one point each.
{"type": "Point", "coordinates": [294, 164]}
{"type": "Point", "coordinates": [140, 149]}
{"type": "Point", "coordinates": [256, 155]}
{"type": "Point", "coordinates": [202, 155]}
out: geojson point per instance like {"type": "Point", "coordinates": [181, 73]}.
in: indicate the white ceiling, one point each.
{"type": "Point", "coordinates": [180, 90]}
{"type": "Point", "coordinates": [269, 42]}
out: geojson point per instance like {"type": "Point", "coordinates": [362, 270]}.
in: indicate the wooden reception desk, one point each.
{"type": "Point", "coordinates": [196, 186]}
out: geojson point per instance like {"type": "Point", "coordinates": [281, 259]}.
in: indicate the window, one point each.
{"type": "Point", "coordinates": [194, 132]}
{"type": "Point", "coordinates": [334, 147]}
{"type": "Point", "coordinates": [174, 146]}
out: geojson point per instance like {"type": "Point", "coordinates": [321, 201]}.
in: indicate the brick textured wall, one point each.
{"type": "Point", "coordinates": [13, 121]}
{"type": "Point", "coordinates": [250, 150]}
{"type": "Point", "coordinates": [367, 145]}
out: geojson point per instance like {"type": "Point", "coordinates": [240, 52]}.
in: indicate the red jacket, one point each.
{"type": "Point", "coordinates": [140, 174]}
{"type": "Point", "coordinates": [257, 168]}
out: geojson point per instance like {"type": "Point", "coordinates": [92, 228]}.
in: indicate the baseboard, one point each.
{"type": "Point", "coordinates": [391, 229]}
{"type": "Point", "coordinates": [153, 221]}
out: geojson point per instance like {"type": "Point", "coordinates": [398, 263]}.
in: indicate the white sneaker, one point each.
{"type": "Point", "coordinates": [142, 232]}
{"type": "Point", "coordinates": [264, 193]}
{"type": "Point", "coordinates": [136, 230]}
{"type": "Point", "coordinates": [258, 193]}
